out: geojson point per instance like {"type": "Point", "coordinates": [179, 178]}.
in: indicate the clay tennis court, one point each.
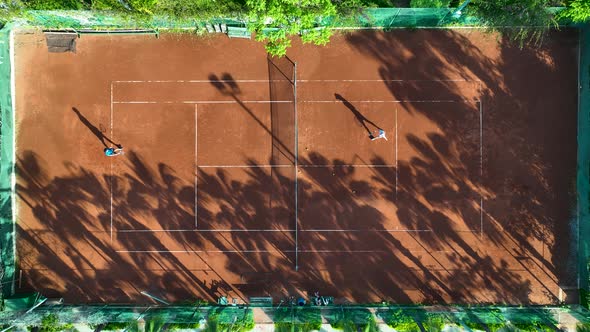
{"type": "Point", "coordinates": [245, 176]}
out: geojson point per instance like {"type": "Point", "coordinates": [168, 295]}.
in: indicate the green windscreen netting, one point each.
{"type": "Point", "coordinates": [370, 17]}
{"type": "Point", "coordinates": [289, 318]}
{"type": "Point", "coordinates": [6, 167]}
{"type": "Point", "coordinates": [583, 177]}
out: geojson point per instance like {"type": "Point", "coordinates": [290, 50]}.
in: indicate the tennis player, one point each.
{"type": "Point", "coordinates": [381, 135]}
{"type": "Point", "coordinates": [111, 152]}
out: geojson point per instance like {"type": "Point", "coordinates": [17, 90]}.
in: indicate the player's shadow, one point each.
{"type": "Point", "coordinates": [225, 84]}
{"type": "Point", "coordinates": [98, 132]}
{"type": "Point", "coordinates": [358, 115]}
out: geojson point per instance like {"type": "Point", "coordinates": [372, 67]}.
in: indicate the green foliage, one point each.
{"type": "Point", "coordinates": [533, 327]}
{"type": "Point", "coordinates": [10, 9]}
{"type": "Point", "coordinates": [287, 18]}
{"type": "Point", "coordinates": [277, 42]}
{"type": "Point", "coordinates": [318, 36]}
{"type": "Point", "coordinates": [179, 9]}
{"type": "Point", "coordinates": [585, 327]}
{"type": "Point", "coordinates": [297, 319]}
{"type": "Point", "coordinates": [474, 325]}
{"type": "Point", "coordinates": [55, 4]}
{"type": "Point", "coordinates": [230, 320]}
{"type": "Point", "coordinates": [350, 7]}
{"type": "Point", "coordinates": [182, 326]}
{"type": "Point", "coordinates": [433, 322]}
{"type": "Point", "coordinates": [577, 11]}
{"type": "Point", "coordinates": [430, 3]}
{"type": "Point", "coordinates": [352, 320]}
{"type": "Point", "coordinates": [115, 5]}
{"type": "Point", "coordinates": [584, 298]}
{"type": "Point", "coordinates": [296, 327]}
{"type": "Point", "coordinates": [143, 6]}
{"type": "Point", "coordinates": [155, 324]}
{"type": "Point", "coordinates": [199, 8]}
{"type": "Point", "coordinates": [399, 320]}
{"type": "Point", "coordinates": [112, 326]}
{"type": "Point", "coordinates": [132, 327]}
{"type": "Point", "coordinates": [50, 323]}
{"type": "Point", "coordinates": [539, 320]}
{"type": "Point", "coordinates": [523, 21]}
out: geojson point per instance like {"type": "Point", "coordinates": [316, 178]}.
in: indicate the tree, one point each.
{"type": "Point", "coordinates": [430, 3]}
{"type": "Point", "coordinates": [577, 11]}
{"type": "Point", "coordinates": [276, 21]}
{"type": "Point", "coordinates": [200, 9]}
{"type": "Point", "coordinates": [519, 20]}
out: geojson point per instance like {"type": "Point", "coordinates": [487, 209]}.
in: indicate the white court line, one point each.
{"type": "Point", "coordinates": [396, 147]}
{"type": "Point", "coordinates": [201, 230]}
{"type": "Point", "coordinates": [304, 81]}
{"type": "Point", "coordinates": [481, 167]}
{"type": "Point", "coordinates": [287, 166]}
{"type": "Point", "coordinates": [199, 81]}
{"type": "Point", "coordinates": [289, 101]}
{"type": "Point", "coordinates": [394, 101]}
{"type": "Point", "coordinates": [253, 251]}
{"type": "Point", "coordinates": [401, 81]}
{"type": "Point", "coordinates": [296, 162]}
{"type": "Point", "coordinates": [243, 166]}
{"type": "Point", "coordinates": [196, 167]}
{"type": "Point", "coordinates": [205, 102]}
{"type": "Point", "coordinates": [279, 251]}
{"type": "Point", "coordinates": [347, 165]}
{"type": "Point", "coordinates": [366, 230]}
{"type": "Point", "coordinates": [274, 230]}
{"type": "Point", "coordinates": [111, 163]}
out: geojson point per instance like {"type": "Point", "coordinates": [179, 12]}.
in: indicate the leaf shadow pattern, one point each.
{"type": "Point", "coordinates": [64, 235]}
{"type": "Point", "coordinates": [528, 159]}
{"type": "Point", "coordinates": [68, 252]}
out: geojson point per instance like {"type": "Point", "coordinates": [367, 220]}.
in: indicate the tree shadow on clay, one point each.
{"type": "Point", "coordinates": [69, 250]}
{"type": "Point", "coordinates": [374, 262]}
{"type": "Point", "coordinates": [525, 181]}
{"type": "Point", "coordinates": [433, 195]}
{"type": "Point", "coordinates": [65, 243]}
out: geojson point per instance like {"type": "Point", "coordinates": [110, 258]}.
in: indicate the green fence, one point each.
{"type": "Point", "coordinates": [7, 253]}
{"type": "Point", "coordinates": [351, 318]}
{"type": "Point", "coordinates": [370, 17]}
{"type": "Point", "coordinates": [583, 176]}
{"type": "Point", "coordinates": [381, 18]}
{"type": "Point", "coordinates": [286, 317]}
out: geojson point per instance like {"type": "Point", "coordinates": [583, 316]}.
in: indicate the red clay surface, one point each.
{"type": "Point", "coordinates": [470, 200]}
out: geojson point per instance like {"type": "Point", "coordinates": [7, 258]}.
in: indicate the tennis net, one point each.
{"type": "Point", "coordinates": [282, 74]}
